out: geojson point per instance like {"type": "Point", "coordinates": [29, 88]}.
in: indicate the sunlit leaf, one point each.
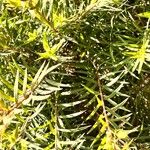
{"type": "Point", "coordinates": [144, 14]}
{"type": "Point", "coordinates": [72, 115]}
{"type": "Point", "coordinates": [16, 86]}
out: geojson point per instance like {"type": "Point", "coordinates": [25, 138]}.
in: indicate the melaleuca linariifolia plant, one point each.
{"type": "Point", "coordinates": [83, 100]}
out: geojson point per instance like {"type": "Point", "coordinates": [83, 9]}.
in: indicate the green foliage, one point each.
{"type": "Point", "coordinates": [74, 74]}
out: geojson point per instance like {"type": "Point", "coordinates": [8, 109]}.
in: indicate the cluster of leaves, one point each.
{"type": "Point", "coordinates": [74, 74]}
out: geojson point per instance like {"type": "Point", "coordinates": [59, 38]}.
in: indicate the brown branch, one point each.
{"type": "Point", "coordinates": [20, 100]}
{"type": "Point", "coordinates": [101, 96]}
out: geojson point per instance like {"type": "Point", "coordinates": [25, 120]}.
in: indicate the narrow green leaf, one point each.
{"type": "Point", "coordinates": [43, 74]}
{"type": "Point", "coordinates": [40, 98]}
{"type": "Point", "coordinates": [71, 104]}
{"type": "Point", "coordinates": [121, 117]}
{"type": "Point", "coordinates": [50, 88]}
{"type": "Point", "coordinates": [21, 71]}
{"type": "Point", "coordinates": [122, 134]}
{"type": "Point", "coordinates": [94, 111]}
{"type": "Point", "coordinates": [115, 104]}
{"type": "Point", "coordinates": [72, 115]}
{"type": "Point", "coordinates": [91, 101]}
{"type": "Point", "coordinates": [56, 47]}
{"type": "Point", "coordinates": [70, 142]}
{"type": "Point", "coordinates": [96, 139]}
{"type": "Point", "coordinates": [57, 84]}
{"type": "Point", "coordinates": [52, 68]}
{"type": "Point", "coordinates": [90, 90]}
{"type": "Point", "coordinates": [44, 92]}
{"type": "Point", "coordinates": [74, 130]}
{"type": "Point", "coordinates": [99, 121]}
{"type": "Point", "coordinates": [32, 36]}
{"type": "Point", "coordinates": [5, 96]}
{"type": "Point", "coordinates": [10, 86]}
{"type": "Point", "coordinates": [37, 110]}
{"type": "Point", "coordinates": [145, 15]}
{"type": "Point", "coordinates": [135, 65]}
{"type": "Point", "coordinates": [34, 82]}
{"type": "Point", "coordinates": [113, 81]}
{"type": "Point", "coordinates": [88, 79]}
{"type": "Point", "coordinates": [46, 44]}
{"type": "Point", "coordinates": [25, 82]}
{"type": "Point", "coordinates": [119, 106]}
{"type": "Point", "coordinates": [16, 86]}
{"type": "Point", "coordinates": [124, 119]}
{"type": "Point", "coordinates": [116, 92]}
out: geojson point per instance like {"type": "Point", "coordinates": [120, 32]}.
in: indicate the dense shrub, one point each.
{"type": "Point", "coordinates": [74, 74]}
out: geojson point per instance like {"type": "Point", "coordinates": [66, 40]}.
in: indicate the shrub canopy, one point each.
{"type": "Point", "coordinates": [74, 75]}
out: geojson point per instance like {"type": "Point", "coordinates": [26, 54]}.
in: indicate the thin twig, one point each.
{"type": "Point", "coordinates": [101, 96]}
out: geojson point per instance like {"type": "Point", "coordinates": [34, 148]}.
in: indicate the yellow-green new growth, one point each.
{"type": "Point", "coordinates": [50, 52]}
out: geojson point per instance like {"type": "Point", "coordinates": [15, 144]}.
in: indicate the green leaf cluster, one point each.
{"type": "Point", "coordinates": [74, 74]}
